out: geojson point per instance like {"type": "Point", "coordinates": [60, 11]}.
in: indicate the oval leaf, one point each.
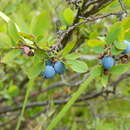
{"type": "Point", "coordinates": [68, 15]}
{"type": "Point", "coordinates": [40, 23]}
{"type": "Point", "coordinates": [10, 56]}
{"type": "Point", "coordinates": [78, 66]}
{"type": "Point", "coordinates": [13, 32]}
{"type": "Point", "coordinates": [114, 33]}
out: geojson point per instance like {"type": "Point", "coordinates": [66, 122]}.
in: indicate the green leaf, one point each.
{"type": "Point", "coordinates": [1, 85]}
{"type": "Point", "coordinates": [68, 48]}
{"type": "Point", "coordinates": [40, 23]}
{"type": "Point", "coordinates": [114, 33]}
{"type": "Point", "coordinates": [62, 28]}
{"type": "Point", "coordinates": [104, 80]}
{"type": "Point", "coordinates": [96, 71]}
{"type": "Point", "coordinates": [27, 36]}
{"type": "Point", "coordinates": [37, 64]}
{"type": "Point", "coordinates": [12, 32]}
{"type": "Point", "coordinates": [21, 21]}
{"type": "Point", "coordinates": [119, 69]}
{"type": "Point", "coordinates": [115, 51]}
{"type": "Point", "coordinates": [13, 90]}
{"type": "Point", "coordinates": [10, 56]}
{"type": "Point", "coordinates": [36, 68]}
{"type": "Point", "coordinates": [68, 15]}
{"type": "Point", "coordinates": [45, 42]}
{"type": "Point", "coordinates": [77, 66]}
{"type": "Point", "coordinates": [98, 49]}
{"type": "Point", "coordinates": [5, 41]}
{"type": "Point", "coordinates": [126, 23]}
{"type": "Point", "coordinates": [72, 56]}
{"type": "Point", "coordinates": [93, 74]}
{"type": "Point", "coordinates": [127, 34]}
{"type": "Point", "coordinates": [41, 54]}
{"type": "Point", "coordinates": [95, 42]}
{"type": "Point", "coordinates": [120, 45]}
{"type": "Point", "coordinates": [4, 17]}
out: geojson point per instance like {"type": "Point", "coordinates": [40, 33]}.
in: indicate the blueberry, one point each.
{"type": "Point", "coordinates": [59, 67]}
{"type": "Point", "coordinates": [107, 62]}
{"type": "Point", "coordinates": [127, 50]}
{"type": "Point", "coordinates": [49, 72]}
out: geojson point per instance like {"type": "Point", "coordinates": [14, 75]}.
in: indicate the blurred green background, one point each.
{"type": "Point", "coordinates": [46, 20]}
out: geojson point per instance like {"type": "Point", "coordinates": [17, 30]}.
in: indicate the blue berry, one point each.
{"type": "Point", "coordinates": [49, 72]}
{"type": "Point", "coordinates": [59, 67]}
{"type": "Point", "coordinates": [127, 50]}
{"type": "Point", "coordinates": [107, 62]}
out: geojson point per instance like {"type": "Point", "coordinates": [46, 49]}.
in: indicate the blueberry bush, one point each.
{"type": "Point", "coordinates": [64, 64]}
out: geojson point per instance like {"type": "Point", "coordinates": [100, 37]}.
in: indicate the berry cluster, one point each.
{"type": "Point", "coordinates": [109, 61]}
{"type": "Point", "coordinates": [53, 68]}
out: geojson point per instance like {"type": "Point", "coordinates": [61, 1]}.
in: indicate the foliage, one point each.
{"type": "Point", "coordinates": [78, 34]}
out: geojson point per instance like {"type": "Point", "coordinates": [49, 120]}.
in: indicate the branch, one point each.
{"type": "Point", "coordinates": [96, 7]}
{"type": "Point", "coordinates": [123, 6]}
{"type": "Point", "coordinates": [90, 96]}
{"type": "Point", "coordinates": [68, 34]}
{"type": "Point", "coordinates": [56, 102]}
{"type": "Point", "coordinates": [72, 27]}
{"type": "Point", "coordinates": [122, 77]}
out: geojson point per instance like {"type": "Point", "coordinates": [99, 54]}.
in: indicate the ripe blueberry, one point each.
{"type": "Point", "coordinates": [59, 67]}
{"type": "Point", "coordinates": [49, 72]}
{"type": "Point", "coordinates": [127, 50]}
{"type": "Point", "coordinates": [107, 62]}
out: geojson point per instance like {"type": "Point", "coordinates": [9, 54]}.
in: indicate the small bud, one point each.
{"type": "Point", "coordinates": [27, 51]}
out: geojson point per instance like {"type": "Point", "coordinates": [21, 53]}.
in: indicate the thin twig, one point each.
{"type": "Point", "coordinates": [60, 102]}
{"type": "Point", "coordinates": [56, 102]}
{"type": "Point", "coordinates": [84, 22]}
{"type": "Point", "coordinates": [123, 6]}
{"type": "Point", "coordinates": [68, 33]}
